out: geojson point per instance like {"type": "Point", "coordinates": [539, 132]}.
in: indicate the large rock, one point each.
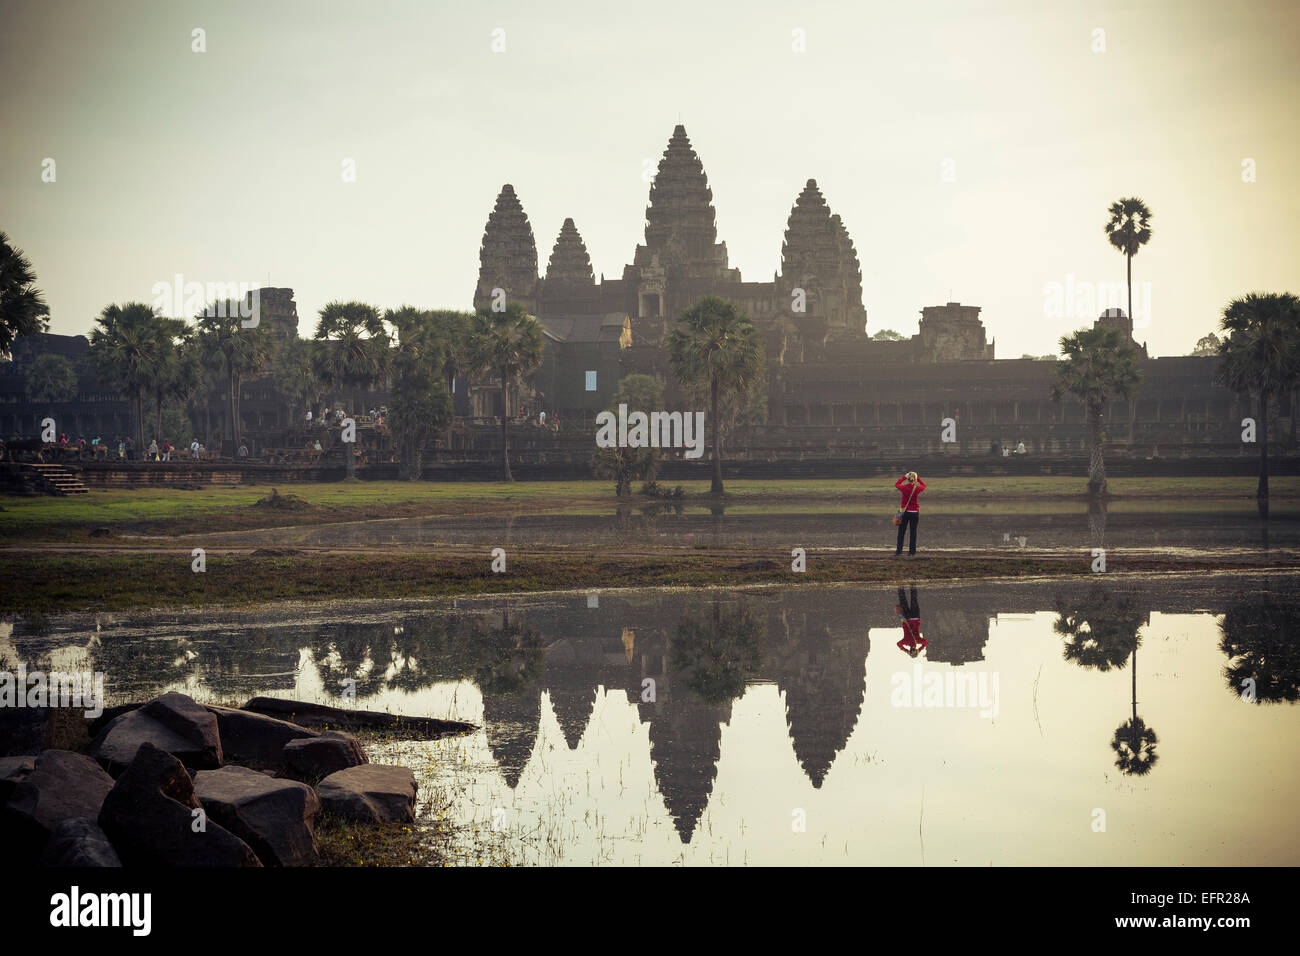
{"type": "Point", "coordinates": [95, 724]}
{"type": "Point", "coordinates": [13, 770]}
{"type": "Point", "coordinates": [172, 722]}
{"type": "Point", "coordinates": [78, 842]}
{"type": "Point", "coordinates": [322, 715]}
{"type": "Point", "coordinates": [274, 817]}
{"type": "Point", "coordinates": [312, 758]}
{"type": "Point", "coordinates": [371, 793]}
{"type": "Point", "coordinates": [149, 817]}
{"type": "Point", "coordinates": [61, 784]}
{"type": "Point", "coordinates": [255, 740]}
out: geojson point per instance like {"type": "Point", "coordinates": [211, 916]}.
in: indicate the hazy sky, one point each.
{"type": "Point", "coordinates": [226, 165]}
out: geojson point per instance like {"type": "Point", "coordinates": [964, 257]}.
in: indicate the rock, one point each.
{"type": "Point", "coordinates": [275, 817]}
{"type": "Point", "coordinates": [79, 842]}
{"type": "Point", "coordinates": [370, 793]}
{"type": "Point", "coordinates": [61, 784]}
{"type": "Point", "coordinates": [172, 722]}
{"type": "Point", "coordinates": [25, 731]}
{"type": "Point", "coordinates": [95, 724]}
{"type": "Point", "coordinates": [12, 770]}
{"type": "Point", "coordinates": [149, 817]}
{"type": "Point", "coordinates": [255, 740]}
{"type": "Point", "coordinates": [321, 715]}
{"type": "Point", "coordinates": [311, 758]}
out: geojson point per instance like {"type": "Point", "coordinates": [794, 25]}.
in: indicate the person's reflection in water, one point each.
{"type": "Point", "coordinates": [909, 613]}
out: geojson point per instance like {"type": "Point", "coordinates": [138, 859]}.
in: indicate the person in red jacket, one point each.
{"type": "Point", "coordinates": [910, 486]}
{"type": "Point", "coordinates": [909, 613]}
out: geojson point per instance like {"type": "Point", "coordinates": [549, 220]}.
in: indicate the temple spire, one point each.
{"type": "Point", "coordinates": [680, 220]}
{"type": "Point", "coordinates": [508, 253]}
{"type": "Point", "coordinates": [569, 259]}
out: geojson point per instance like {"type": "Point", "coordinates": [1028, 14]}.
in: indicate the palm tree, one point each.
{"type": "Point", "coordinates": [716, 346]}
{"type": "Point", "coordinates": [294, 372]}
{"type": "Point", "coordinates": [1099, 362]}
{"type": "Point", "coordinates": [125, 351]}
{"type": "Point", "coordinates": [717, 655]}
{"type": "Point", "coordinates": [508, 343]}
{"type": "Point", "coordinates": [454, 330]}
{"type": "Point", "coordinates": [176, 374]}
{"type": "Point", "coordinates": [353, 353]}
{"type": "Point", "coordinates": [22, 306]}
{"type": "Point", "coordinates": [1134, 742]}
{"type": "Point", "coordinates": [1257, 636]}
{"type": "Point", "coordinates": [1100, 629]}
{"type": "Point", "coordinates": [241, 352]}
{"type": "Point", "coordinates": [51, 379]}
{"type": "Point", "coordinates": [1260, 355]}
{"type": "Point", "coordinates": [421, 406]}
{"type": "Point", "coordinates": [1129, 229]}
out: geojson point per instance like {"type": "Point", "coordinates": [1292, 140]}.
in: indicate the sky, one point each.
{"type": "Point", "coordinates": [972, 149]}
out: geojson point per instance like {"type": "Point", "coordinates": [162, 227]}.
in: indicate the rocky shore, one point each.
{"type": "Point", "coordinates": [173, 783]}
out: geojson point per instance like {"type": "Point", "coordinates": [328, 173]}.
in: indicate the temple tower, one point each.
{"type": "Point", "coordinates": [681, 257]}
{"type": "Point", "coordinates": [818, 257]}
{"type": "Point", "coordinates": [570, 262]}
{"type": "Point", "coordinates": [508, 254]}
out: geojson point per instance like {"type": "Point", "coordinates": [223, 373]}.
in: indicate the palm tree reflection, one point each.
{"type": "Point", "coordinates": [717, 654]}
{"type": "Point", "coordinates": [1102, 629]}
{"type": "Point", "coordinates": [1258, 637]}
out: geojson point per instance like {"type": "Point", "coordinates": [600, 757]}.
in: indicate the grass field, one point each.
{"type": "Point", "coordinates": [162, 511]}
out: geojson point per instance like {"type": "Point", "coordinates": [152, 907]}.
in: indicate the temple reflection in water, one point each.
{"type": "Point", "coordinates": [683, 661]}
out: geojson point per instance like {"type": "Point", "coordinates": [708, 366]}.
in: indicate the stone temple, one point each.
{"type": "Point", "coordinates": [835, 398]}
{"type": "Point", "coordinates": [809, 310]}
{"type": "Point", "coordinates": [833, 392]}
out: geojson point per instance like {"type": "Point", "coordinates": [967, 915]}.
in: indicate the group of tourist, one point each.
{"type": "Point", "coordinates": [377, 415]}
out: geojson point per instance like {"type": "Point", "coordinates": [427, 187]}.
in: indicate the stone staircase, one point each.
{"type": "Point", "coordinates": [52, 480]}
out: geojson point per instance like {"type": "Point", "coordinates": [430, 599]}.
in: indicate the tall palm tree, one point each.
{"type": "Point", "coordinates": [718, 346]}
{"type": "Point", "coordinates": [1134, 742]}
{"type": "Point", "coordinates": [294, 372]}
{"type": "Point", "coordinates": [508, 343]}
{"type": "Point", "coordinates": [1257, 635]}
{"type": "Point", "coordinates": [242, 352]}
{"type": "Point", "coordinates": [717, 655]}
{"type": "Point", "coordinates": [1100, 628]}
{"type": "Point", "coordinates": [454, 330]}
{"type": "Point", "coordinates": [176, 375]}
{"type": "Point", "coordinates": [126, 351]}
{"type": "Point", "coordinates": [1099, 362]}
{"type": "Point", "coordinates": [1129, 229]}
{"type": "Point", "coordinates": [353, 353]}
{"type": "Point", "coordinates": [1260, 355]}
{"type": "Point", "coordinates": [420, 405]}
{"type": "Point", "coordinates": [22, 306]}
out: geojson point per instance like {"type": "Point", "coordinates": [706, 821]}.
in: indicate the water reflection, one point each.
{"type": "Point", "coordinates": [700, 672]}
{"type": "Point", "coordinates": [672, 524]}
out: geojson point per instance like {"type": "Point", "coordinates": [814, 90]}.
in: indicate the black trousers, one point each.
{"type": "Point", "coordinates": [912, 608]}
{"type": "Point", "coordinates": [909, 520]}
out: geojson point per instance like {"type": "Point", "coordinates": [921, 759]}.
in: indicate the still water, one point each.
{"type": "Point", "coordinates": [1097, 722]}
{"type": "Point", "coordinates": [1134, 526]}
